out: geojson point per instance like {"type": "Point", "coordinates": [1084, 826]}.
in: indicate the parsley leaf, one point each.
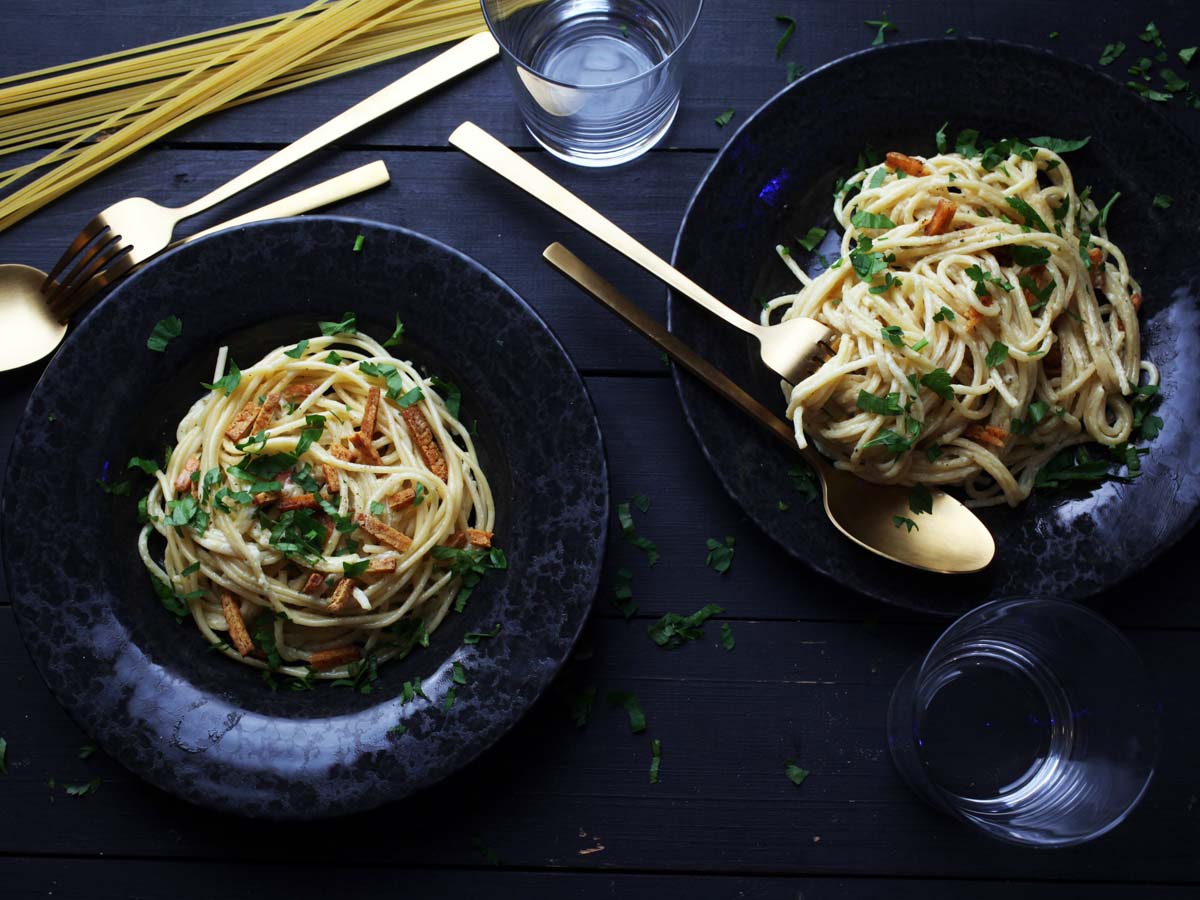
{"type": "Point", "coordinates": [642, 502]}
{"type": "Point", "coordinates": [1028, 213]}
{"type": "Point", "coordinates": [1035, 256]}
{"type": "Point", "coordinates": [580, 703]}
{"type": "Point", "coordinates": [655, 759]}
{"type": "Point", "coordinates": [982, 279]}
{"type": "Point", "coordinates": [1060, 145]}
{"type": "Point", "coordinates": [940, 138]}
{"type": "Point", "coordinates": [812, 238]}
{"type": "Point", "coordinates": [720, 556]}
{"type": "Point", "coordinates": [862, 219]}
{"type": "Point", "coordinates": [889, 440]}
{"type": "Point", "coordinates": [793, 71]}
{"type": "Point", "coordinates": [629, 532]}
{"type": "Point", "coordinates": [884, 26]}
{"type": "Point", "coordinates": [358, 244]}
{"type": "Point", "coordinates": [804, 480]}
{"type": "Point", "coordinates": [787, 33]}
{"type": "Point", "coordinates": [474, 637]}
{"type": "Point", "coordinates": [920, 500]}
{"type": "Point", "coordinates": [227, 383]}
{"type": "Point", "coordinates": [894, 334]}
{"type": "Point", "coordinates": [794, 773]}
{"type": "Point", "coordinates": [347, 325]}
{"type": "Point", "coordinates": [938, 381]}
{"type": "Point", "coordinates": [637, 718]}
{"type": "Point", "coordinates": [297, 351]}
{"type": "Point", "coordinates": [83, 790]}
{"type": "Point", "coordinates": [163, 333]}
{"type": "Point", "coordinates": [867, 263]}
{"type": "Point", "coordinates": [450, 393]}
{"type": "Point", "coordinates": [173, 603]}
{"type": "Point", "coordinates": [397, 333]}
{"type": "Point", "coordinates": [727, 639]}
{"type": "Point", "coordinates": [905, 521]}
{"type": "Point", "coordinates": [996, 354]}
{"type": "Point", "coordinates": [469, 565]}
{"type": "Point", "coordinates": [353, 570]}
{"type": "Point", "coordinates": [115, 488]}
{"type": "Point", "coordinates": [1162, 201]}
{"type": "Point", "coordinates": [1187, 54]}
{"type": "Point", "coordinates": [880, 406]}
{"type": "Point", "coordinates": [724, 118]}
{"type": "Point", "coordinates": [674, 630]}
{"type": "Point", "coordinates": [945, 314]}
{"type": "Point", "coordinates": [3, 756]}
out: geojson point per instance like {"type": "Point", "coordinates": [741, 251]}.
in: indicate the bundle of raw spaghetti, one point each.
{"type": "Point", "coordinates": [106, 108]}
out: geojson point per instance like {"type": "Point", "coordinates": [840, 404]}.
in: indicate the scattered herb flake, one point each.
{"type": "Point", "coordinates": [637, 718]}
{"type": "Point", "coordinates": [163, 333]}
{"type": "Point", "coordinates": [724, 118]}
{"type": "Point", "coordinates": [629, 532]}
{"type": "Point", "coordinates": [3, 756]}
{"type": "Point", "coordinates": [920, 500]}
{"type": "Point", "coordinates": [720, 556]}
{"type": "Point", "coordinates": [228, 382]}
{"type": "Point", "coordinates": [623, 594]}
{"type": "Point", "coordinates": [945, 314]}
{"type": "Point", "coordinates": [862, 219]}
{"type": "Point", "coordinates": [810, 240]}
{"type": "Point", "coordinates": [1162, 201]}
{"type": "Point", "coordinates": [297, 351]}
{"type": "Point", "coordinates": [890, 440]}
{"type": "Point", "coordinates": [1187, 54]}
{"type": "Point", "coordinates": [787, 33]}
{"type": "Point", "coordinates": [794, 70]}
{"type": "Point", "coordinates": [674, 630]}
{"type": "Point", "coordinates": [884, 26]}
{"type": "Point", "coordinates": [905, 521]}
{"type": "Point", "coordinates": [83, 790]}
{"type": "Point", "coordinates": [655, 759]}
{"type": "Point", "coordinates": [397, 334]}
{"type": "Point", "coordinates": [794, 773]}
{"type": "Point", "coordinates": [474, 637]}
{"type": "Point", "coordinates": [996, 354]}
{"type": "Point", "coordinates": [358, 243]}
{"type": "Point", "coordinates": [804, 480]}
{"type": "Point", "coordinates": [347, 325]}
{"type": "Point", "coordinates": [727, 639]}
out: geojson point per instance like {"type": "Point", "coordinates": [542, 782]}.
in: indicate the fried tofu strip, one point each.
{"type": "Point", "coordinates": [480, 540]}
{"type": "Point", "coordinates": [384, 533]}
{"type": "Point", "coordinates": [402, 499]}
{"type": "Point", "coordinates": [300, 501]}
{"type": "Point", "coordinates": [265, 497]}
{"type": "Point", "coordinates": [379, 566]}
{"type": "Point", "coordinates": [295, 392]}
{"type": "Point", "coordinates": [366, 450]}
{"type": "Point", "coordinates": [237, 625]}
{"type": "Point", "coordinates": [987, 434]}
{"type": "Point", "coordinates": [342, 601]}
{"type": "Point", "coordinates": [942, 218]}
{"type": "Point", "coordinates": [266, 414]}
{"type": "Point", "coordinates": [242, 422]}
{"type": "Point", "coordinates": [370, 414]}
{"type": "Point", "coordinates": [342, 453]}
{"type": "Point", "coordinates": [422, 437]}
{"type": "Point", "coordinates": [906, 164]}
{"type": "Point", "coordinates": [332, 479]}
{"type": "Point", "coordinates": [334, 657]}
{"type": "Point", "coordinates": [315, 583]}
{"type": "Point", "coordinates": [183, 481]}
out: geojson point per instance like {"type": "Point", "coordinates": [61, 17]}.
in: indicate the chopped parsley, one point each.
{"type": "Point", "coordinates": [867, 261]}
{"type": "Point", "coordinates": [629, 532]}
{"type": "Point", "coordinates": [83, 790]}
{"type": "Point", "coordinates": [884, 26]}
{"type": "Point", "coordinates": [891, 441]}
{"type": "Point", "coordinates": [470, 565]}
{"type": "Point", "coordinates": [623, 594]}
{"type": "Point", "coordinates": [878, 178]}
{"type": "Point", "coordinates": [727, 639]}
{"type": "Point", "coordinates": [1041, 294]}
{"type": "Point", "coordinates": [940, 138]}
{"type": "Point", "coordinates": [458, 673]}
{"type": "Point", "coordinates": [1072, 466]}
{"type": "Point", "coordinates": [794, 773]}
{"type": "Point", "coordinates": [724, 118]}
{"type": "Point", "coordinates": [1162, 201]}
{"type": "Point", "coordinates": [804, 480]}
{"type": "Point", "coordinates": [448, 699]}
{"type": "Point", "coordinates": [409, 398]}
{"type": "Point", "coordinates": [862, 219]}
{"type": "Point", "coordinates": [945, 314]}
{"type": "Point", "coordinates": [418, 494]}
{"type": "Point", "coordinates": [347, 325]}
{"type": "Point", "coordinates": [810, 240]}
{"type": "Point", "coordinates": [1028, 213]}
{"type": "Point", "coordinates": [1187, 54]}
{"type": "Point", "coordinates": [642, 502]}
{"type": "Point", "coordinates": [1036, 256]}
{"type": "Point", "coordinates": [720, 555]}
{"type": "Point", "coordinates": [412, 690]}
{"type": "Point", "coordinates": [881, 406]}
{"type": "Point", "coordinates": [938, 381]}
{"type": "Point", "coordinates": [3, 756]}
{"type": "Point", "coordinates": [637, 718]}
{"type": "Point", "coordinates": [920, 500]}
{"type": "Point", "coordinates": [228, 382]}
{"type": "Point", "coordinates": [397, 333]}
{"type": "Point", "coordinates": [363, 673]}
{"type": "Point", "coordinates": [655, 759]}
{"type": "Point", "coordinates": [1060, 145]}
{"type": "Point", "coordinates": [163, 333]}
{"type": "Point", "coordinates": [580, 703]}
{"type": "Point", "coordinates": [450, 393]}
{"type": "Point", "coordinates": [996, 354]}
{"type": "Point", "coordinates": [115, 488]}
{"type": "Point", "coordinates": [353, 570]}
{"type": "Point", "coordinates": [174, 603]}
{"type": "Point", "coordinates": [297, 351]}
{"type": "Point", "coordinates": [982, 279]}
{"type": "Point", "coordinates": [333, 358]}
{"type": "Point", "coordinates": [793, 71]}
{"type": "Point", "coordinates": [674, 630]}
{"type": "Point", "coordinates": [787, 33]}
{"type": "Point", "coordinates": [889, 281]}
{"type": "Point", "coordinates": [1150, 35]}
{"type": "Point", "coordinates": [358, 244]}
{"type": "Point", "coordinates": [474, 637]}
{"type": "Point", "coordinates": [905, 521]}
{"type": "Point", "coordinates": [893, 334]}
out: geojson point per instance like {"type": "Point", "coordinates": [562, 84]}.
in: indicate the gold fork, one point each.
{"type": "Point", "coordinates": [133, 230]}
{"type": "Point", "coordinates": [789, 348]}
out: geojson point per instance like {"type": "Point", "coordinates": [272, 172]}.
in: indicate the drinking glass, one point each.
{"type": "Point", "coordinates": [1033, 720]}
{"type": "Point", "coordinates": [597, 81]}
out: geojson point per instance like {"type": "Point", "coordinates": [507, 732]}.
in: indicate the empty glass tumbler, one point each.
{"type": "Point", "coordinates": [1033, 720]}
{"type": "Point", "coordinates": [597, 81]}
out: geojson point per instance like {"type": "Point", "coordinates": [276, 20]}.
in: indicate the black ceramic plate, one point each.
{"type": "Point", "coordinates": [199, 725]}
{"type": "Point", "coordinates": [775, 179]}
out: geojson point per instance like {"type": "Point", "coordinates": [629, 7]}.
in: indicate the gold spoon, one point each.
{"type": "Point", "coordinates": [949, 540]}
{"type": "Point", "coordinates": [29, 331]}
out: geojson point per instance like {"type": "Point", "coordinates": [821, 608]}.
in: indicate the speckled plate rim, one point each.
{"type": "Point", "coordinates": [375, 770]}
{"type": "Point", "coordinates": [873, 585]}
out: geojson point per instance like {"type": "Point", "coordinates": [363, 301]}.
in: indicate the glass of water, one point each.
{"type": "Point", "coordinates": [1033, 720]}
{"type": "Point", "coordinates": [597, 81]}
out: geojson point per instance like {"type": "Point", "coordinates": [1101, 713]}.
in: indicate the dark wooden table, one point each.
{"type": "Point", "coordinates": [569, 811]}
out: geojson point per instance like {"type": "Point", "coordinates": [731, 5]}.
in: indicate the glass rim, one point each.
{"type": "Point", "coordinates": [691, 29]}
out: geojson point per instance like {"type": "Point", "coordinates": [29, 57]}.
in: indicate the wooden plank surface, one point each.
{"type": "Point", "coordinates": [550, 794]}
{"type": "Point", "coordinates": [814, 665]}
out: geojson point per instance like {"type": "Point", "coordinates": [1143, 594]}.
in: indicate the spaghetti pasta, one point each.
{"type": "Point", "coordinates": [985, 320]}
{"type": "Point", "coordinates": [294, 551]}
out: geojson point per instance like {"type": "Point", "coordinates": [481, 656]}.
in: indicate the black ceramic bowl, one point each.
{"type": "Point", "coordinates": [195, 723]}
{"type": "Point", "coordinates": [775, 179]}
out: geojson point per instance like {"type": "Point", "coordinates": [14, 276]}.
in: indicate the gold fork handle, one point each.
{"type": "Point", "coordinates": [347, 184]}
{"type": "Point", "coordinates": [460, 58]}
{"type": "Point", "coordinates": [485, 149]}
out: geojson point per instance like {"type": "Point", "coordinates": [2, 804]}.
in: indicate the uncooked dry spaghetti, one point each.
{"type": "Point", "coordinates": [322, 508]}
{"type": "Point", "coordinates": [985, 322]}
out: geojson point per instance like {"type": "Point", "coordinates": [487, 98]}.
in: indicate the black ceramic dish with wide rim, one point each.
{"type": "Point", "coordinates": [774, 179]}
{"type": "Point", "coordinates": [197, 724]}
